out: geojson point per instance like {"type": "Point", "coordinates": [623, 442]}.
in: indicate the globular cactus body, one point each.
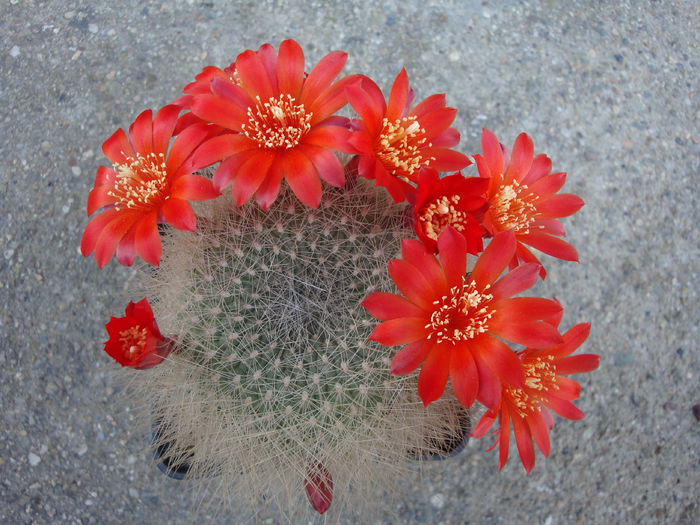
{"type": "Point", "coordinates": [275, 374]}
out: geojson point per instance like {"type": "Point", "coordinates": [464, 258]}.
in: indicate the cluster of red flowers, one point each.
{"type": "Point", "coordinates": [264, 120]}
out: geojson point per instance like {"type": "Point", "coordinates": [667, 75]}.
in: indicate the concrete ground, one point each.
{"type": "Point", "coordinates": [609, 89]}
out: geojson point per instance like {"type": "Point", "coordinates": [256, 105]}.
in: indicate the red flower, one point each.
{"type": "Point", "coordinates": [394, 142]}
{"type": "Point", "coordinates": [522, 197]}
{"type": "Point", "coordinates": [449, 201]}
{"type": "Point", "coordinates": [148, 184]}
{"type": "Point", "coordinates": [545, 388]}
{"type": "Point", "coordinates": [134, 340]}
{"type": "Point", "coordinates": [281, 123]}
{"type": "Point", "coordinates": [448, 319]}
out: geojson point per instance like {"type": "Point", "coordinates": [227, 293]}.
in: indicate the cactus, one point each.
{"type": "Point", "coordinates": [274, 374]}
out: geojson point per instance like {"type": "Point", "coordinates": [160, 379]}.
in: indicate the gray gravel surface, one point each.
{"type": "Point", "coordinates": [609, 89]}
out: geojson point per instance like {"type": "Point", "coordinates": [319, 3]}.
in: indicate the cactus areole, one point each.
{"type": "Point", "coordinates": [310, 323]}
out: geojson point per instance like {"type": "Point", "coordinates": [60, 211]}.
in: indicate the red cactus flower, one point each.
{"type": "Point", "coordinates": [545, 388]}
{"type": "Point", "coordinates": [395, 142]}
{"type": "Point", "coordinates": [450, 321]}
{"type": "Point", "coordinates": [523, 197]}
{"type": "Point", "coordinates": [148, 183]}
{"type": "Point", "coordinates": [134, 340]}
{"type": "Point", "coordinates": [280, 124]}
{"type": "Point", "coordinates": [450, 201]}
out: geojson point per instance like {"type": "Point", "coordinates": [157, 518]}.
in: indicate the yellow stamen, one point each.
{"type": "Point", "coordinates": [460, 315]}
{"type": "Point", "coordinates": [277, 123]}
{"type": "Point", "coordinates": [440, 214]}
{"type": "Point", "coordinates": [133, 340]}
{"type": "Point", "coordinates": [140, 182]}
{"type": "Point", "coordinates": [540, 377]}
{"type": "Point", "coordinates": [399, 146]}
{"type": "Point", "coordinates": [513, 208]}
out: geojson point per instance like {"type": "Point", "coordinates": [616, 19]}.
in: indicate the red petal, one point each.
{"type": "Point", "coordinates": [329, 137]}
{"type": "Point", "coordinates": [550, 245]}
{"type": "Point", "coordinates": [577, 364]}
{"type": "Point", "coordinates": [147, 239]}
{"type": "Point", "coordinates": [515, 281]}
{"type": "Point", "coordinates": [484, 424]}
{"type": "Point", "coordinates": [110, 236]}
{"type": "Point", "coordinates": [270, 187]}
{"type": "Point", "coordinates": [126, 251]}
{"type": "Point", "coordinates": [231, 92]}
{"type": "Point", "coordinates": [438, 121]}
{"type": "Point", "coordinates": [564, 408]}
{"type": "Point", "coordinates": [183, 146]}
{"type": "Point", "coordinates": [561, 205]}
{"type": "Point", "coordinates": [503, 438]}
{"type": "Point", "coordinates": [568, 388]}
{"type": "Point", "coordinates": [522, 310]}
{"type": "Point", "coordinates": [446, 159]}
{"type": "Point", "coordinates": [539, 431]}
{"type": "Point", "coordinates": [415, 253]}
{"type": "Point", "coordinates": [573, 338]}
{"type": "Point", "coordinates": [494, 259]}
{"type": "Point", "coordinates": [179, 213]}
{"type": "Point", "coordinates": [193, 188]}
{"type": "Point", "coordinates": [219, 148]}
{"type": "Point", "coordinates": [363, 105]}
{"type": "Point", "coordinates": [453, 255]}
{"type": "Point", "coordinates": [332, 98]}
{"type": "Point", "coordinates": [447, 139]}
{"type": "Point", "coordinates": [433, 376]}
{"type": "Point", "coordinates": [520, 159]}
{"type": "Point", "coordinates": [538, 334]}
{"type": "Point", "coordinates": [301, 176]}
{"type": "Point", "coordinates": [104, 176]}
{"type": "Point", "coordinates": [493, 154]}
{"type": "Point", "coordinates": [410, 357]}
{"type": "Point", "coordinates": [548, 226]}
{"type": "Point", "coordinates": [501, 360]}
{"type": "Point", "coordinates": [464, 375]}
{"type": "Point", "coordinates": [141, 133]}
{"type": "Point", "coordinates": [385, 306]}
{"type": "Point", "coordinates": [290, 68]}
{"type": "Point", "coordinates": [398, 97]}
{"type": "Point", "coordinates": [548, 185]}
{"type": "Point", "coordinates": [253, 76]}
{"type": "Point", "coordinates": [399, 331]}
{"type": "Point", "coordinates": [523, 439]}
{"type": "Point", "coordinates": [541, 166]}
{"type": "Point", "coordinates": [322, 75]}
{"type": "Point", "coordinates": [217, 110]}
{"type": "Point", "coordinates": [430, 104]}
{"type": "Point", "coordinates": [327, 165]}
{"type": "Point", "coordinates": [117, 147]}
{"type": "Point", "coordinates": [319, 488]}
{"type": "Point", "coordinates": [250, 176]}
{"type": "Point", "coordinates": [99, 197]}
{"type": "Point", "coordinates": [489, 385]}
{"type": "Point", "coordinates": [228, 169]}
{"type": "Point", "coordinates": [94, 229]}
{"type": "Point", "coordinates": [411, 283]}
{"type": "Point", "coordinates": [164, 126]}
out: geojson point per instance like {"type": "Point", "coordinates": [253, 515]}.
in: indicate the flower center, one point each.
{"type": "Point", "coordinates": [513, 208]}
{"type": "Point", "coordinates": [540, 377]}
{"type": "Point", "coordinates": [279, 123]}
{"type": "Point", "coordinates": [140, 181]}
{"type": "Point", "coordinates": [441, 214]}
{"type": "Point", "coordinates": [133, 341]}
{"type": "Point", "coordinates": [461, 315]}
{"type": "Point", "coordinates": [399, 146]}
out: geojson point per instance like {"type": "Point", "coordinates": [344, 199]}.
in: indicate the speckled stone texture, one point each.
{"type": "Point", "coordinates": [609, 89]}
